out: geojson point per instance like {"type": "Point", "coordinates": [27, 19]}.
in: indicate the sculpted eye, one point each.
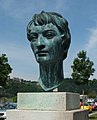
{"type": "Point", "coordinates": [33, 37]}
{"type": "Point", "coordinates": [49, 34]}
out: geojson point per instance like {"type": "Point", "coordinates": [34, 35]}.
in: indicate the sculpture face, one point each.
{"type": "Point", "coordinates": [46, 43]}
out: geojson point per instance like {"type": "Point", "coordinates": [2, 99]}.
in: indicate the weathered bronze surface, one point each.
{"type": "Point", "coordinates": [50, 39]}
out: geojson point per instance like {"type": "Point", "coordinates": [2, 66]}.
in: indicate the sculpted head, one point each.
{"type": "Point", "coordinates": [50, 37]}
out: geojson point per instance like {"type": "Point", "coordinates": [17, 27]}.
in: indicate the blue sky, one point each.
{"type": "Point", "coordinates": [14, 17]}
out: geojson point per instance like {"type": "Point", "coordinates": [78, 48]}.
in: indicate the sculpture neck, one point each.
{"type": "Point", "coordinates": [51, 75]}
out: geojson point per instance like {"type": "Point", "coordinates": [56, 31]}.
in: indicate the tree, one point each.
{"type": "Point", "coordinates": [82, 68]}
{"type": "Point", "coordinates": [5, 69]}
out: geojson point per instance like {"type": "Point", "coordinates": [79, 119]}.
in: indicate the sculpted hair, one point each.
{"type": "Point", "coordinates": [56, 19]}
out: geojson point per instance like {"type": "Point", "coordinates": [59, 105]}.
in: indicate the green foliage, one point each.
{"type": "Point", "coordinates": [5, 69]}
{"type": "Point", "coordinates": [68, 85]}
{"type": "Point", "coordinates": [14, 99]}
{"type": "Point", "coordinates": [92, 94]}
{"type": "Point", "coordinates": [3, 100]}
{"type": "Point", "coordinates": [16, 85]}
{"type": "Point", "coordinates": [93, 117]}
{"type": "Point", "coordinates": [82, 68]}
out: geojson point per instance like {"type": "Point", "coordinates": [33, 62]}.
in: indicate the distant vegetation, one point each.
{"type": "Point", "coordinates": [16, 85]}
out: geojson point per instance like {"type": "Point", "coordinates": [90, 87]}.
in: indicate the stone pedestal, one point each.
{"type": "Point", "coordinates": [49, 101]}
{"type": "Point", "coordinates": [47, 115]}
{"type": "Point", "coordinates": [48, 106]}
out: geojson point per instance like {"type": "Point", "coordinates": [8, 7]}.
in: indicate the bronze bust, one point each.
{"type": "Point", "coordinates": [50, 39]}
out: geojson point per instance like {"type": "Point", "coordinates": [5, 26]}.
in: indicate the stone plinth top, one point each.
{"type": "Point", "coordinates": [49, 101]}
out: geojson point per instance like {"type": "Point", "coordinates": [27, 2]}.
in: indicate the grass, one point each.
{"type": "Point", "coordinates": [93, 117]}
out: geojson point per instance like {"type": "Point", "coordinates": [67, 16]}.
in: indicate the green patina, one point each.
{"type": "Point", "coordinates": [50, 38]}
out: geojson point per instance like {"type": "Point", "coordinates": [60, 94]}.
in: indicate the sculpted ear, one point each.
{"type": "Point", "coordinates": [65, 44]}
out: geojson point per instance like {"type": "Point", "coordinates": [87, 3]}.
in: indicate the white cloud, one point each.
{"type": "Point", "coordinates": [92, 41]}
{"type": "Point", "coordinates": [91, 48]}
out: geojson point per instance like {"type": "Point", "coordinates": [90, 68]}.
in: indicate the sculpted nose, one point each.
{"type": "Point", "coordinates": [40, 43]}
{"type": "Point", "coordinates": [40, 47]}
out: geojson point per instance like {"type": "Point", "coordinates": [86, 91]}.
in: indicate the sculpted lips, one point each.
{"type": "Point", "coordinates": [41, 53]}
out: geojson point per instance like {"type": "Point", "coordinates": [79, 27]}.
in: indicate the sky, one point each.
{"type": "Point", "coordinates": [14, 17]}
